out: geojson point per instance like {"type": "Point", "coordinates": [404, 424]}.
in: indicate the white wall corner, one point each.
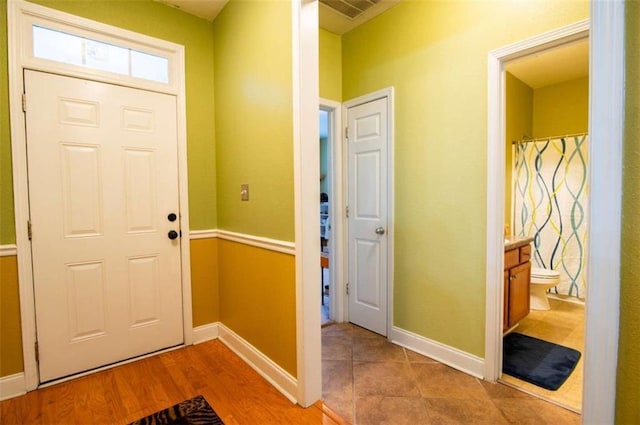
{"type": "Point", "coordinates": [282, 380]}
{"type": "Point", "coordinates": [12, 386]}
{"type": "Point", "coordinates": [206, 332]}
{"type": "Point", "coordinates": [306, 169]}
{"type": "Point", "coordinates": [457, 359]}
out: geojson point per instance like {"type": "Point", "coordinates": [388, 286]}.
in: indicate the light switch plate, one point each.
{"type": "Point", "coordinates": [244, 192]}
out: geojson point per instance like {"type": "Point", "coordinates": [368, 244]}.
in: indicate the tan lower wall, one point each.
{"type": "Point", "coordinates": [204, 281]}
{"type": "Point", "coordinates": [10, 329]}
{"type": "Point", "coordinates": [257, 287]}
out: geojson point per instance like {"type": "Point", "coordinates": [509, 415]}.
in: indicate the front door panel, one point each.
{"type": "Point", "coordinates": [103, 177]}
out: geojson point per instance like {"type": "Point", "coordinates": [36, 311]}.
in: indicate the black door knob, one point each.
{"type": "Point", "coordinates": [172, 217]}
{"type": "Point", "coordinates": [172, 234]}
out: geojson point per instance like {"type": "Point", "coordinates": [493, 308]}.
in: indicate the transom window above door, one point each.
{"type": "Point", "coordinates": [71, 49]}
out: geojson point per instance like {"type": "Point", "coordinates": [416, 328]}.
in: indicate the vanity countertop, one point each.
{"type": "Point", "coordinates": [513, 242]}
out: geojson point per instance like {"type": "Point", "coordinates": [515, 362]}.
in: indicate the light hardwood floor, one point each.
{"type": "Point", "coordinates": [129, 392]}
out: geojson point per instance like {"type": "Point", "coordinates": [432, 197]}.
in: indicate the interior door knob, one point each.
{"type": "Point", "coordinates": [172, 234]}
{"type": "Point", "coordinates": [380, 230]}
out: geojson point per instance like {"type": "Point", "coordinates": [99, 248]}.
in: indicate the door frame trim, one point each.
{"type": "Point", "coordinates": [387, 93]}
{"type": "Point", "coordinates": [306, 188]}
{"type": "Point", "coordinates": [606, 123]}
{"type": "Point", "coordinates": [496, 178]}
{"type": "Point", "coordinates": [19, 12]}
{"type": "Point", "coordinates": [337, 298]}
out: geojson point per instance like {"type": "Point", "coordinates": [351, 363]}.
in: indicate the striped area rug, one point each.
{"type": "Point", "coordinates": [195, 411]}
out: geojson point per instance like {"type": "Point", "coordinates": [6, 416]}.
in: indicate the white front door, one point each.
{"type": "Point", "coordinates": [103, 185]}
{"type": "Point", "coordinates": [367, 193]}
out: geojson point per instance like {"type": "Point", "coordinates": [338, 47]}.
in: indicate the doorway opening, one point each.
{"type": "Point", "coordinates": [333, 296]}
{"type": "Point", "coordinates": [500, 221]}
{"type": "Point", "coordinates": [325, 217]}
{"type": "Point", "coordinates": [546, 118]}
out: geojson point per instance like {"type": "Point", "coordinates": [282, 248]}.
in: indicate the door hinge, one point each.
{"type": "Point", "coordinates": [346, 211]}
{"type": "Point", "coordinates": [347, 288]}
{"type": "Point", "coordinates": [37, 350]}
{"type": "Point", "coordinates": [29, 230]}
{"type": "Point", "coordinates": [24, 102]}
{"type": "Point", "coordinates": [346, 132]}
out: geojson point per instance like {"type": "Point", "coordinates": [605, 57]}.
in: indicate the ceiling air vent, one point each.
{"type": "Point", "coordinates": [349, 8]}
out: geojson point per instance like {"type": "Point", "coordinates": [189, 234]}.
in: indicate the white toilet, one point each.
{"type": "Point", "coordinates": [541, 280]}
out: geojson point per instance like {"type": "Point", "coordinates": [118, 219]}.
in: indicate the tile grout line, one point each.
{"type": "Point", "coordinates": [417, 384]}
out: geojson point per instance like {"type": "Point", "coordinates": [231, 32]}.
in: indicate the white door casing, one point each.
{"type": "Point", "coordinates": [102, 167]}
{"type": "Point", "coordinates": [368, 138]}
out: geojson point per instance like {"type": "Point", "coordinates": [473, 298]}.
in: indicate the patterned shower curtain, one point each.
{"type": "Point", "coordinates": [551, 205]}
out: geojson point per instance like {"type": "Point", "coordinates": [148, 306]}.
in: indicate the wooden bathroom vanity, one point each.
{"type": "Point", "coordinates": [517, 280]}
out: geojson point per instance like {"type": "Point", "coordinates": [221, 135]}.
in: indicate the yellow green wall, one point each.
{"type": "Point", "coordinates": [435, 55]}
{"type": "Point", "coordinates": [518, 124]}
{"type": "Point", "coordinates": [561, 109]}
{"type": "Point", "coordinates": [628, 383]}
{"type": "Point", "coordinates": [254, 125]}
{"type": "Point", "coordinates": [254, 143]}
{"type": "Point", "coordinates": [330, 58]}
{"type": "Point", "coordinates": [330, 75]}
{"type": "Point", "coordinates": [10, 331]}
{"type": "Point", "coordinates": [7, 225]}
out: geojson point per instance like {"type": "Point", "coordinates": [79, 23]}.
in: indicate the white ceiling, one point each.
{"type": "Point", "coordinates": [563, 63]}
{"type": "Point", "coordinates": [330, 20]}
{"type": "Point", "coordinates": [206, 9]}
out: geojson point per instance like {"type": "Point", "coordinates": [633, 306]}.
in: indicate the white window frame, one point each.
{"type": "Point", "coordinates": [21, 16]}
{"type": "Point", "coordinates": [58, 21]}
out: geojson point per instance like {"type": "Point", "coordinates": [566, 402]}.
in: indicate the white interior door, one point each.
{"type": "Point", "coordinates": [367, 193]}
{"type": "Point", "coordinates": [103, 180]}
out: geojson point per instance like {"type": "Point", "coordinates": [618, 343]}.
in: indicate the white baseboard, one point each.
{"type": "Point", "coordinates": [12, 386]}
{"type": "Point", "coordinates": [205, 333]}
{"type": "Point", "coordinates": [277, 376]}
{"type": "Point", "coordinates": [450, 356]}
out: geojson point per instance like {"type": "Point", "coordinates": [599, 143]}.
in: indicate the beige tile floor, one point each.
{"type": "Point", "coordinates": [369, 381]}
{"type": "Point", "coordinates": [564, 325]}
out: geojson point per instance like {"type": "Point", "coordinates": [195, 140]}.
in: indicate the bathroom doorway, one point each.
{"type": "Point", "coordinates": [546, 156]}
